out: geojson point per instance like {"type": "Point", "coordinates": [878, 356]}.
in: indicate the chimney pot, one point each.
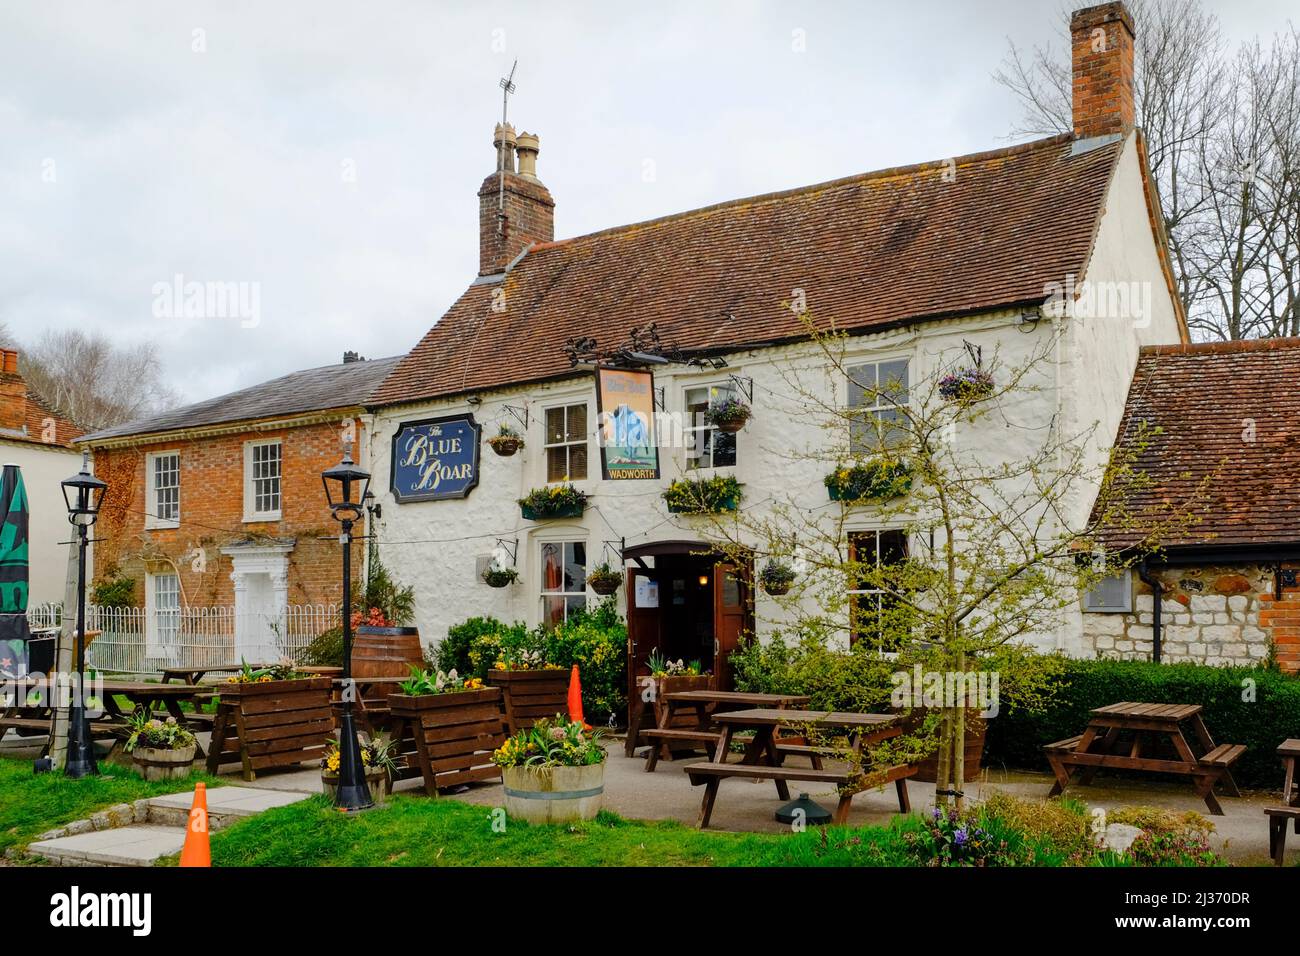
{"type": "Point", "coordinates": [503, 140]}
{"type": "Point", "coordinates": [528, 146]}
{"type": "Point", "coordinates": [1101, 54]}
{"type": "Point", "coordinates": [11, 361]}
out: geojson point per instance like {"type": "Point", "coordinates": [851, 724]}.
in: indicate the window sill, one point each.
{"type": "Point", "coordinates": [263, 519]}
{"type": "Point", "coordinates": [162, 525]}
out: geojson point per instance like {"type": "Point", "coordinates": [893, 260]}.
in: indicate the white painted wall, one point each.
{"type": "Point", "coordinates": [43, 468]}
{"type": "Point", "coordinates": [434, 545]}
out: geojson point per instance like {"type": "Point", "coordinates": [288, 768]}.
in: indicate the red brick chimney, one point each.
{"type": "Point", "coordinates": [13, 393]}
{"type": "Point", "coordinates": [1101, 43]}
{"type": "Point", "coordinates": [512, 218]}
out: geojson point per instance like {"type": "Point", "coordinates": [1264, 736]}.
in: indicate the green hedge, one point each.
{"type": "Point", "coordinates": [1016, 737]}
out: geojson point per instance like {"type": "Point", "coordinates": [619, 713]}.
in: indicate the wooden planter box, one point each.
{"type": "Point", "coordinates": [280, 723]}
{"type": "Point", "coordinates": [448, 739]}
{"type": "Point", "coordinates": [644, 717]}
{"type": "Point", "coordinates": [531, 695]}
{"type": "Point", "coordinates": [567, 511]}
{"type": "Point", "coordinates": [976, 728]}
{"type": "Point", "coordinates": [720, 507]}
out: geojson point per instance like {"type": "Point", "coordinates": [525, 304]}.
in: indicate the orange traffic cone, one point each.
{"type": "Point", "coordinates": [197, 851]}
{"type": "Point", "coordinates": [575, 699]}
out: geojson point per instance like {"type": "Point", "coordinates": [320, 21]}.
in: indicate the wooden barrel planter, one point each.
{"type": "Point", "coordinates": [386, 651]}
{"type": "Point", "coordinates": [555, 794]}
{"type": "Point", "coordinates": [531, 695]}
{"type": "Point", "coordinates": [266, 726]}
{"type": "Point", "coordinates": [448, 739]}
{"type": "Point", "coordinates": [376, 781]}
{"type": "Point", "coordinates": [976, 728]}
{"type": "Point", "coordinates": [158, 763]}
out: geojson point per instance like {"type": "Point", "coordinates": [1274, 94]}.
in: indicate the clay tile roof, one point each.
{"type": "Point", "coordinates": [313, 390]}
{"type": "Point", "coordinates": [870, 251]}
{"type": "Point", "coordinates": [37, 415]}
{"type": "Point", "coordinates": [1204, 398]}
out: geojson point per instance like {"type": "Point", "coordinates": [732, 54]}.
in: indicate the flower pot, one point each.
{"type": "Point", "coordinates": [157, 763]}
{"type": "Point", "coordinates": [777, 588]}
{"type": "Point", "coordinates": [733, 425]}
{"type": "Point", "coordinates": [498, 579]}
{"type": "Point", "coordinates": [376, 780]}
{"type": "Point", "coordinates": [562, 511]}
{"type": "Point", "coordinates": [604, 586]}
{"type": "Point", "coordinates": [505, 447]}
{"type": "Point", "coordinates": [555, 794]}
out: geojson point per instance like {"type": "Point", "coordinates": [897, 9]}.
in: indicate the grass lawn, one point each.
{"type": "Point", "coordinates": [31, 804]}
{"type": "Point", "coordinates": [419, 831]}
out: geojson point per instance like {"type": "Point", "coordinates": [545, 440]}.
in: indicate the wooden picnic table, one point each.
{"type": "Point", "coordinates": [698, 707]}
{"type": "Point", "coordinates": [764, 755]}
{"type": "Point", "coordinates": [192, 675]}
{"type": "Point", "coordinates": [142, 695]}
{"type": "Point", "coordinates": [1289, 811]}
{"type": "Point", "coordinates": [1133, 735]}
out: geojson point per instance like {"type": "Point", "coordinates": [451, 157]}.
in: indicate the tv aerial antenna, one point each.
{"type": "Point", "coordinates": [507, 85]}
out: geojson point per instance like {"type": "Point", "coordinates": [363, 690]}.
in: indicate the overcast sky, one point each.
{"type": "Point", "coordinates": [327, 153]}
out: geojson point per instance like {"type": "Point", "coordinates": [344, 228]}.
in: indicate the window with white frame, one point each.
{"type": "Point", "coordinates": [877, 392]}
{"type": "Point", "coordinates": [875, 615]}
{"type": "Point", "coordinates": [163, 474]}
{"type": "Point", "coordinates": [564, 580]}
{"type": "Point", "coordinates": [1113, 594]}
{"type": "Point", "coordinates": [262, 470]}
{"type": "Point", "coordinates": [566, 442]}
{"type": "Point", "coordinates": [163, 607]}
{"type": "Point", "coordinates": [707, 446]}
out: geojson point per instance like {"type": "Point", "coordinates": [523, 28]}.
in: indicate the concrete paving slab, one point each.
{"type": "Point", "coordinates": [232, 801]}
{"type": "Point", "coordinates": [138, 845]}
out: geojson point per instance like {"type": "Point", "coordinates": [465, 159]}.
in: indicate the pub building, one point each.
{"type": "Point", "coordinates": [634, 332]}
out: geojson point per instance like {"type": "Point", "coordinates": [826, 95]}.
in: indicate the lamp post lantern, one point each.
{"type": "Point", "coordinates": [346, 487]}
{"type": "Point", "coordinates": [82, 494]}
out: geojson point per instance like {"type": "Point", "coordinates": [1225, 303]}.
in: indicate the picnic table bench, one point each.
{"type": "Point", "coordinates": [702, 705]}
{"type": "Point", "coordinates": [1289, 812]}
{"type": "Point", "coordinates": [1132, 735]}
{"type": "Point", "coordinates": [764, 755]}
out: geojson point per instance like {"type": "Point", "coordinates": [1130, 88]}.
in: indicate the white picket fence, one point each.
{"type": "Point", "coordinates": [135, 641]}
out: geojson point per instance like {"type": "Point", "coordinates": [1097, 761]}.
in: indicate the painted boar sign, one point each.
{"type": "Point", "coordinates": [436, 458]}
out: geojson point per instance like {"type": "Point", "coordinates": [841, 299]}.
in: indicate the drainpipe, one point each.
{"type": "Point", "coordinates": [1157, 597]}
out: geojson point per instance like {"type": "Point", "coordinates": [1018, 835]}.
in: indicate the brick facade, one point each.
{"type": "Point", "coordinates": [212, 514]}
{"type": "Point", "coordinates": [1101, 41]}
{"type": "Point", "coordinates": [1213, 614]}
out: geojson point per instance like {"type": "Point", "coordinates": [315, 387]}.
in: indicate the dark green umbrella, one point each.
{"type": "Point", "coordinates": [13, 573]}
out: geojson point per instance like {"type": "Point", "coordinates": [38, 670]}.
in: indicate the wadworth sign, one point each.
{"type": "Point", "coordinates": [435, 458]}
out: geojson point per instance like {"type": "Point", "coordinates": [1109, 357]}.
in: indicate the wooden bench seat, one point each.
{"type": "Point", "coordinates": [760, 772]}
{"type": "Point", "coordinates": [1224, 755]}
{"type": "Point", "coordinates": [681, 733]}
{"type": "Point", "coordinates": [850, 783]}
{"type": "Point", "coordinates": [1069, 743]}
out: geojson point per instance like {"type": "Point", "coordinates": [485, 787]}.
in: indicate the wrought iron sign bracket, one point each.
{"type": "Point", "coordinates": [511, 548]}
{"type": "Point", "coordinates": [519, 413]}
{"type": "Point", "coordinates": [621, 542]}
{"type": "Point", "coordinates": [642, 348]}
{"type": "Point", "coordinates": [742, 383]}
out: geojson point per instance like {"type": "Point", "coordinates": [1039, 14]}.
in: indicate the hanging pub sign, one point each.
{"type": "Point", "coordinates": [435, 458]}
{"type": "Point", "coordinates": [625, 401]}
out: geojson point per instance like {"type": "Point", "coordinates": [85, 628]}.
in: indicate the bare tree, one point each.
{"type": "Point", "coordinates": [1221, 137]}
{"type": "Point", "coordinates": [93, 382]}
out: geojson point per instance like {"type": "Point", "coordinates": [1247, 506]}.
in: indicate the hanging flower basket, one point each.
{"type": "Point", "coordinates": [777, 578]}
{"type": "Point", "coordinates": [703, 496]}
{"type": "Point", "coordinates": [876, 480]}
{"type": "Point", "coordinates": [604, 580]}
{"type": "Point", "coordinates": [729, 415]}
{"type": "Point", "coordinates": [495, 577]}
{"type": "Point", "coordinates": [506, 442]}
{"type": "Point", "coordinates": [553, 501]}
{"type": "Point", "coordinates": [966, 385]}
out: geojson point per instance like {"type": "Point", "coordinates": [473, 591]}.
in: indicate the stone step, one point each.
{"type": "Point", "coordinates": [137, 845]}
{"type": "Point", "coordinates": [110, 838]}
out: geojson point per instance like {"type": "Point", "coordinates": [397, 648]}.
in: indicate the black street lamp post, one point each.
{"type": "Point", "coordinates": [82, 493]}
{"type": "Point", "coordinates": [346, 487]}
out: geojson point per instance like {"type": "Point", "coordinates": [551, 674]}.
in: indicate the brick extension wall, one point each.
{"type": "Point", "coordinates": [1222, 614]}
{"type": "Point", "coordinates": [212, 515]}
